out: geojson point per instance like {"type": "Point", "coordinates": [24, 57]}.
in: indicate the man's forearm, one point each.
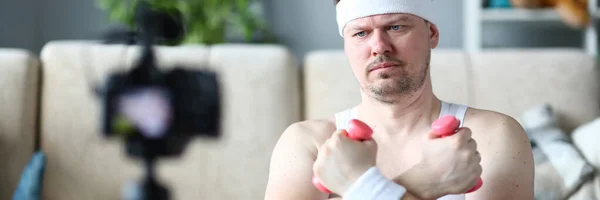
{"type": "Point", "coordinates": [406, 196]}
{"type": "Point", "coordinates": [401, 180]}
{"type": "Point", "coordinates": [409, 196]}
{"type": "Point", "coordinates": [414, 185]}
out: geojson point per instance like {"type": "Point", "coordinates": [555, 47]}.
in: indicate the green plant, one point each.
{"type": "Point", "coordinates": [206, 21]}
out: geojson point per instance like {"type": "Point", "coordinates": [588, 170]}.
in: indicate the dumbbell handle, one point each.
{"type": "Point", "coordinates": [357, 130]}
{"type": "Point", "coordinates": [447, 126]}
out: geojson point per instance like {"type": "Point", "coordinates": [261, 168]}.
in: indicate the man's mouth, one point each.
{"type": "Point", "coordinates": [383, 66]}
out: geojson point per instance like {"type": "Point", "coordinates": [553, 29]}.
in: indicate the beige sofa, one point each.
{"type": "Point", "coordinates": [261, 97]}
{"type": "Point", "coordinates": [19, 85]}
{"type": "Point", "coordinates": [265, 90]}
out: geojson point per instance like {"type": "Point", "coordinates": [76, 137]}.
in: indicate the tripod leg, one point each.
{"type": "Point", "coordinates": [154, 191]}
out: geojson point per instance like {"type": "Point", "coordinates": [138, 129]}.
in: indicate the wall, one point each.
{"type": "Point", "coordinates": [71, 19]}
{"type": "Point", "coordinates": [18, 22]}
{"type": "Point", "coordinates": [30, 24]}
{"type": "Point", "coordinates": [303, 25]}
{"type": "Point", "coordinates": [310, 24]}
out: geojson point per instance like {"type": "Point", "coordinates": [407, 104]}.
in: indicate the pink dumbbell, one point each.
{"type": "Point", "coordinates": [357, 130]}
{"type": "Point", "coordinates": [447, 126]}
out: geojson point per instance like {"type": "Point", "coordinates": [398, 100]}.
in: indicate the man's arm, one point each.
{"type": "Point", "coordinates": [405, 197]}
{"type": "Point", "coordinates": [412, 181]}
{"type": "Point", "coordinates": [507, 160]}
{"type": "Point", "coordinates": [290, 172]}
{"type": "Point", "coordinates": [291, 167]}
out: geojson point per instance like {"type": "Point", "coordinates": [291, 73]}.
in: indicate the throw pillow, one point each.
{"type": "Point", "coordinates": [554, 146]}
{"type": "Point", "coordinates": [30, 185]}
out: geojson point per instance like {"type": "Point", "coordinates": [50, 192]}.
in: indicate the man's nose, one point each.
{"type": "Point", "coordinates": [380, 43]}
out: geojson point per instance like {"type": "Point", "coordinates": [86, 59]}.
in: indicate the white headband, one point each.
{"type": "Point", "coordinates": [348, 10]}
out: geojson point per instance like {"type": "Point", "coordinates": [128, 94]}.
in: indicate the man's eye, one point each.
{"type": "Point", "coordinates": [396, 27]}
{"type": "Point", "coordinates": [360, 34]}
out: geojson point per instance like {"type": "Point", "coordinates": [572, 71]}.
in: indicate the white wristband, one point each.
{"type": "Point", "coordinates": [374, 186]}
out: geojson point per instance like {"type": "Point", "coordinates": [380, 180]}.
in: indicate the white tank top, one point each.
{"type": "Point", "coordinates": [342, 118]}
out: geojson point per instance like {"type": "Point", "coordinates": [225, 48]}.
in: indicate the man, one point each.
{"type": "Point", "coordinates": [388, 45]}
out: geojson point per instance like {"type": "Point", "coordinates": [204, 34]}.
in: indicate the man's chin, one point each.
{"type": "Point", "coordinates": [392, 85]}
{"type": "Point", "coordinates": [387, 75]}
{"type": "Point", "coordinates": [390, 89]}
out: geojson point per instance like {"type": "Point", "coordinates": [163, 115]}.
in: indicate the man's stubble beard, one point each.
{"type": "Point", "coordinates": [403, 87]}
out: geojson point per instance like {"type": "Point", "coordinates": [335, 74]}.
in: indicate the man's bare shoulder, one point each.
{"type": "Point", "coordinates": [506, 155]}
{"type": "Point", "coordinates": [490, 119]}
{"type": "Point", "coordinates": [291, 166]}
{"type": "Point", "coordinates": [311, 132]}
{"type": "Point", "coordinates": [494, 129]}
{"type": "Point", "coordinates": [315, 127]}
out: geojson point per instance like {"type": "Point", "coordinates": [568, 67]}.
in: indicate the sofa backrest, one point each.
{"type": "Point", "coordinates": [18, 109]}
{"type": "Point", "coordinates": [508, 81]}
{"type": "Point", "coordinates": [261, 98]}
{"type": "Point", "coordinates": [511, 81]}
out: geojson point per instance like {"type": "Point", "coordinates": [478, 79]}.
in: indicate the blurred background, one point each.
{"type": "Point", "coordinates": [280, 62]}
{"type": "Point", "coordinates": [301, 25]}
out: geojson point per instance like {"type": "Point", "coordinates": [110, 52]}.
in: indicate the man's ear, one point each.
{"type": "Point", "coordinates": [434, 34]}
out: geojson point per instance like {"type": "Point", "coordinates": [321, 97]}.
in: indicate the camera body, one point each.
{"type": "Point", "coordinates": [176, 105]}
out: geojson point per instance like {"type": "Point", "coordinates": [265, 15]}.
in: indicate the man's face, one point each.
{"type": "Point", "coordinates": [389, 54]}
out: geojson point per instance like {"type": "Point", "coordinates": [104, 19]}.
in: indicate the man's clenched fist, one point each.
{"type": "Point", "coordinates": [450, 165]}
{"type": "Point", "coordinates": [341, 161]}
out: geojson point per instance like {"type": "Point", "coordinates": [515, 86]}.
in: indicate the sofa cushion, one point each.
{"type": "Point", "coordinates": [512, 80]}
{"type": "Point", "coordinates": [330, 85]}
{"type": "Point", "coordinates": [449, 75]}
{"type": "Point", "coordinates": [81, 163]}
{"type": "Point", "coordinates": [260, 99]}
{"type": "Point", "coordinates": [19, 79]}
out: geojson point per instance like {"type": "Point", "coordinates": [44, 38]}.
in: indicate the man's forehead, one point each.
{"type": "Point", "coordinates": [381, 19]}
{"type": "Point", "coordinates": [385, 18]}
{"type": "Point", "coordinates": [353, 11]}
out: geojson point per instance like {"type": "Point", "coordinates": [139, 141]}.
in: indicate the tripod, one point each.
{"type": "Point", "coordinates": [150, 188]}
{"type": "Point", "coordinates": [157, 111]}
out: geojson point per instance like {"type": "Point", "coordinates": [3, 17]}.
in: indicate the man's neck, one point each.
{"type": "Point", "coordinates": [403, 116]}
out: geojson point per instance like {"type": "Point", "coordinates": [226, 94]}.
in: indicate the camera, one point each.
{"type": "Point", "coordinates": [162, 109]}
{"type": "Point", "coordinates": [157, 112]}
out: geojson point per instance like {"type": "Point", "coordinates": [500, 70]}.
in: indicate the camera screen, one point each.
{"type": "Point", "coordinates": [147, 110]}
